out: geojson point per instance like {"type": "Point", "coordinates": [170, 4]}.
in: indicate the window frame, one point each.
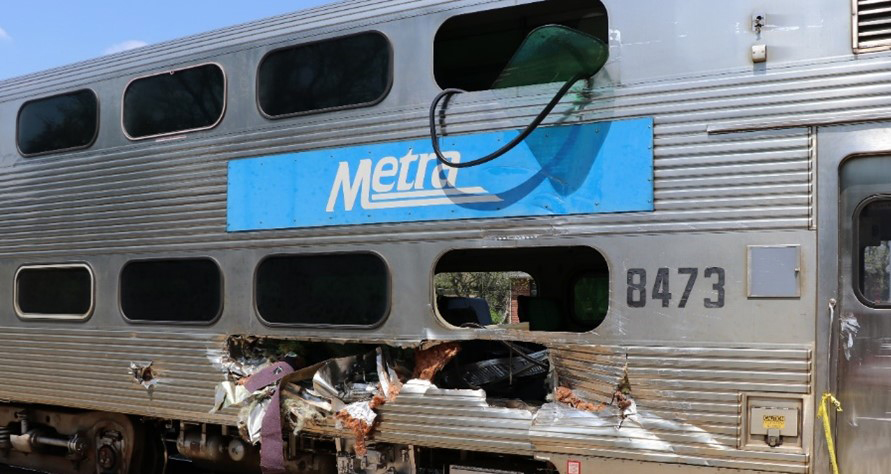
{"type": "Point", "coordinates": [171, 71]}
{"type": "Point", "coordinates": [380, 322]}
{"type": "Point", "coordinates": [384, 95]}
{"type": "Point", "coordinates": [209, 322]}
{"type": "Point", "coordinates": [93, 139]}
{"type": "Point", "coordinates": [570, 311]}
{"type": "Point", "coordinates": [856, 258]}
{"type": "Point", "coordinates": [53, 317]}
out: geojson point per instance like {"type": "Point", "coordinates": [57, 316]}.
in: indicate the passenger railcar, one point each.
{"type": "Point", "coordinates": [196, 231]}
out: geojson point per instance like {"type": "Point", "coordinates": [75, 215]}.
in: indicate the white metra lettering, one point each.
{"type": "Point", "coordinates": [422, 169]}
{"type": "Point", "coordinates": [404, 165]}
{"type": "Point", "coordinates": [451, 177]}
{"type": "Point", "coordinates": [386, 167]}
{"type": "Point", "coordinates": [375, 188]}
{"type": "Point", "coordinates": [350, 189]}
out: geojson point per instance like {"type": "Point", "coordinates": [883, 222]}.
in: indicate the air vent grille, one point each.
{"type": "Point", "coordinates": [872, 24]}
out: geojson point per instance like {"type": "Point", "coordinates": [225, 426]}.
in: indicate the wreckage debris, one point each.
{"type": "Point", "coordinates": [565, 395]}
{"type": "Point", "coordinates": [429, 362]}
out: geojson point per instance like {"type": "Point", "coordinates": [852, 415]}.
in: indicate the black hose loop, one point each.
{"type": "Point", "coordinates": [509, 145]}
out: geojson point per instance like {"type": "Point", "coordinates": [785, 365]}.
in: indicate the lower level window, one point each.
{"type": "Point", "coordinates": [175, 290]}
{"type": "Point", "coordinates": [321, 290]}
{"type": "Point", "coordinates": [539, 289]}
{"type": "Point", "coordinates": [54, 291]}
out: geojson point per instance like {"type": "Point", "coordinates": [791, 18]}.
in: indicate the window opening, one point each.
{"type": "Point", "coordinates": [174, 102]}
{"type": "Point", "coordinates": [351, 71]}
{"type": "Point", "coordinates": [54, 291]}
{"type": "Point", "coordinates": [471, 51]}
{"type": "Point", "coordinates": [174, 291]}
{"type": "Point", "coordinates": [874, 245]}
{"type": "Point", "coordinates": [323, 290]}
{"type": "Point", "coordinates": [546, 52]}
{"type": "Point", "coordinates": [58, 123]}
{"type": "Point", "coordinates": [539, 289]}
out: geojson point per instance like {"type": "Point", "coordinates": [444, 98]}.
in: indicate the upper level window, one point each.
{"type": "Point", "coordinates": [54, 291]}
{"type": "Point", "coordinates": [62, 122]}
{"type": "Point", "coordinates": [874, 244]}
{"type": "Point", "coordinates": [175, 290]}
{"type": "Point", "coordinates": [472, 51]}
{"type": "Point", "coordinates": [323, 290]}
{"type": "Point", "coordinates": [351, 71]}
{"type": "Point", "coordinates": [176, 101]}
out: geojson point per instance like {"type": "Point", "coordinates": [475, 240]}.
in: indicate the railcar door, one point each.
{"type": "Point", "coordinates": [864, 315]}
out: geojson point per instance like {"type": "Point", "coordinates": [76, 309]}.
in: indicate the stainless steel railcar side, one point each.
{"type": "Point", "coordinates": [761, 175]}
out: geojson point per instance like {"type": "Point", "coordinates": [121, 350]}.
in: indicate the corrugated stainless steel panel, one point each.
{"type": "Point", "coordinates": [91, 369]}
{"type": "Point", "coordinates": [688, 401]}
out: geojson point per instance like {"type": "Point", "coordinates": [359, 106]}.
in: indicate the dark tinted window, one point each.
{"type": "Point", "coordinates": [471, 51]}
{"type": "Point", "coordinates": [345, 289]}
{"type": "Point", "coordinates": [176, 101]}
{"type": "Point", "coordinates": [54, 291]}
{"type": "Point", "coordinates": [186, 291]}
{"type": "Point", "coordinates": [348, 71]}
{"type": "Point", "coordinates": [56, 123]}
{"type": "Point", "coordinates": [874, 241]}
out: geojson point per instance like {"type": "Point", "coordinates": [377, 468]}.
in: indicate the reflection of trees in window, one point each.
{"type": "Point", "coordinates": [336, 73]}
{"type": "Point", "coordinates": [58, 123]}
{"type": "Point", "coordinates": [177, 101]}
{"type": "Point", "coordinates": [494, 287]}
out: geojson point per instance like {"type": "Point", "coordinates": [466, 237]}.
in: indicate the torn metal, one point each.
{"type": "Point", "coordinates": [371, 395]}
{"type": "Point", "coordinates": [143, 374]}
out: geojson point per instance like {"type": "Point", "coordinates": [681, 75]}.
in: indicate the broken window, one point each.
{"type": "Point", "coordinates": [874, 241]}
{"type": "Point", "coordinates": [175, 101]}
{"type": "Point", "coordinates": [54, 291]}
{"type": "Point", "coordinates": [175, 290]}
{"type": "Point", "coordinates": [62, 122]}
{"type": "Point", "coordinates": [350, 71]}
{"type": "Point", "coordinates": [542, 289]}
{"type": "Point", "coordinates": [471, 51]}
{"type": "Point", "coordinates": [336, 289]}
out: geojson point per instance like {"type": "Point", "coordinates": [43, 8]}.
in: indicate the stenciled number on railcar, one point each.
{"type": "Point", "coordinates": [636, 295]}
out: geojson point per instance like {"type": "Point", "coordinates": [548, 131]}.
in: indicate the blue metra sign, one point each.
{"type": "Point", "coordinates": [569, 169]}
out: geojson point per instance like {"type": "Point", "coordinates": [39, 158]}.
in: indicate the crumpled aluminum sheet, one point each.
{"type": "Point", "coordinates": [221, 361]}
{"type": "Point", "coordinates": [389, 380]}
{"type": "Point", "coordinates": [250, 419]}
{"type": "Point", "coordinates": [229, 394]}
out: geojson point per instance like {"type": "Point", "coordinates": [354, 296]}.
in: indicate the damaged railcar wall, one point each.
{"type": "Point", "coordinates": [627, 402]}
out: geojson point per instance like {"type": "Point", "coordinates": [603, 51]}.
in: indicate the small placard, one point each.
{"type": "Point", "coordinates": [573, 467]}
{"type": "Point", "coordinates": [774, 271]}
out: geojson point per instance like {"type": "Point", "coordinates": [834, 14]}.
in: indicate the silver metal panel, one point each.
{"type": "Point", "coordinates": [773, 271]}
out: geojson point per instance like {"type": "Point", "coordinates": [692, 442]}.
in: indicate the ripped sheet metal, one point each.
{"type": "Point", "coordinates": [687, 402]}
{"type": "Point", "coordinates": [423, 414]}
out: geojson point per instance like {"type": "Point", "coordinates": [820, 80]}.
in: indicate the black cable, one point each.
{"type": "Point", "coordinates": [509, 145]}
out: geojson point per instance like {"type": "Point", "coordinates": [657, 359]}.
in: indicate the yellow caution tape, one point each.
{"type": "Point", "coordinates": [823, 414]}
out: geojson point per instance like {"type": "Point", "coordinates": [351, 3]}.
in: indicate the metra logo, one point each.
{"type": "Point", "coordinates": [413, 180]}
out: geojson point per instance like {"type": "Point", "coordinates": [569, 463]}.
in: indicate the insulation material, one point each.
{"type": "Point", "coordinates": [429, 362]}
{"type": "Point", "coordinates": [359, 418]}
{"type": "Point", "coordinates": [566, 396]}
